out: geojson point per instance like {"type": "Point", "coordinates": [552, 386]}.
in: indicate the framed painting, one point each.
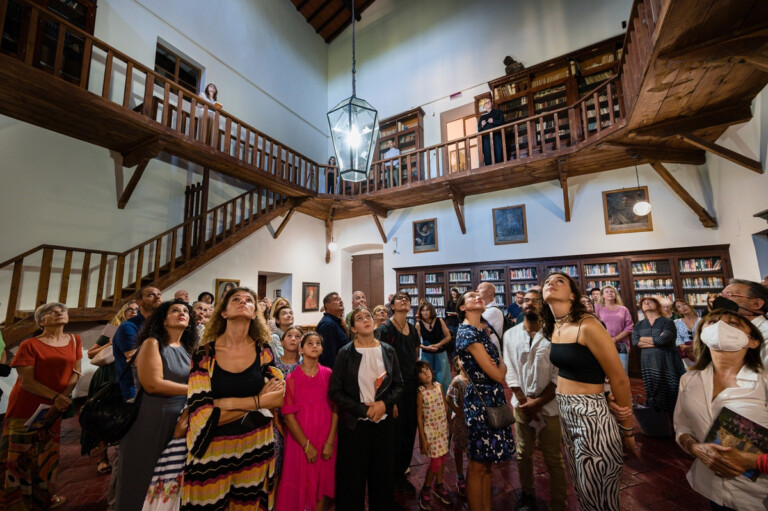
{"type": "Point", "coordinates": [617, 208]}
{"type": "Point", "coordinates": [425, 236]}
{"type": "Point", "coordinates": [509, 225]}
{"type": "Point", "coordinates": [310, 296]}
{"type": "Point", "coordinates": [224, 285]}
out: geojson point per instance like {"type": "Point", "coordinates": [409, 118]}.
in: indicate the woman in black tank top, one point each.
{"type": "Point", "coordinates": [585, 355]}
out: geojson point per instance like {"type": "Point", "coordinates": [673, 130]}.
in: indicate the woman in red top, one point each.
{"type": "Point", "coordinates": [48, 368]}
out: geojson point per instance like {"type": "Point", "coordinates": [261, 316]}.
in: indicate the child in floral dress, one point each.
{"type": "Point", "coordinates": [455, 400]}
{"type": "Point", "coordinates": [434, 432]}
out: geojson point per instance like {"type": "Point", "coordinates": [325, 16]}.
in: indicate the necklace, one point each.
{"type": "Point", "coordinates": [397, 325]}
{"type": "Point", "coordinates": [560, 322]}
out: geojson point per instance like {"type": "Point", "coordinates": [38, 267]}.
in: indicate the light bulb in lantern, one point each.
{"type": "Point", "coordinates": [641, 208]}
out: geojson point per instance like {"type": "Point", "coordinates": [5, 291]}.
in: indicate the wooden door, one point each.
{"type": "Point", "coordinates": [261, 286]}
{"type": "Point", "coordinates": [368, 277]}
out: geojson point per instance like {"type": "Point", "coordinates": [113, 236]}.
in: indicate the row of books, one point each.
{"type": "Point", "coordinates": [700, 264]}
{"type": "Point", "coordinates": [669, 296]}
{"type": "Point", "coordinates": [434, 290]}
{"type": "Point", "coordinates": [697, 299]}
{"type": "Point", "coordinates": [597, 62]}
{"type": "Point", "coordinates": [599, 270]}
{"type": "Point", "coordinates": [703, 282]}
{"type": "Point", "coordinates": [591, 284]}
{"type": "Point", "coordinates": [549, 78]}
{"type": "Point", "coordinates": [648, 267]}
{"type": "Point", "coordinates": [549, 92]}
{"type": "Point", "coordinates": [413, 291]}
{"type": "Point", "coordinates": [459, 276]}
{"type": "Point", "coordinates": [520, 287]}
{"type": "Point", "coordinates": [407, 138]}
{"type": "Point", "coordinates": [436, 300]}
{"type": "Point", "coordinates": [490, 275]}
{"type": "Point", "coordinates": [513, 103]}
{"type": "Point", "coordinates": [522, 273]}
{"type": "Point", "coordinates": [653, 284]}
{"type": "Point", "coordinates": [516, 114]}
{"type": "Point", "coordinates": [568, 270]}
{"type": "Point", "coordinates": [407, 279]}
{"type": "Point", "coordinates": [597, 77]}
{"type": "Point", "coordinates": [431, 278]}
{"type": "Point", "coordinates": [509, 89]}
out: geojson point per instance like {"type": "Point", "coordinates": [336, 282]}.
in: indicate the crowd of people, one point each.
{"type": "Point", "coordinates": [239, 408]}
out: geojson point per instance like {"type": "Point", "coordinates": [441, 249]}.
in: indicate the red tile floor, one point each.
{"type": "Point", "coordinates": [657, 482]}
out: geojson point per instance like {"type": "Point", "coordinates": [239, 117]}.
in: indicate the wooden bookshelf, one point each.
{"type": "Point", "coordinates": [406, 130]}
{"type": "Point", "coordinates": [687, 273]}
{"type": "Point", "coordinates": [556, 84]}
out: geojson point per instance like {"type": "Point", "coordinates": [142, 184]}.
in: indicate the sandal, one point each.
{"type": "Point", "coordinates": [57, 500]}
{"type": "Point", "coordinates": [104, 467]}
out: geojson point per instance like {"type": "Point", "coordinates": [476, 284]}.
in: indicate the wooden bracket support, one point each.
{"type": "Point", "coordinates": [138, 156]}
{"type": "Point", "coordinates": [285, 221]}
{"type": "Point", "coordinates": [563, 172]}
{"type": "Point", "coordinates": [379, 227]}
{"type": "Point", "coordinates": [457, 198]}
{"type": "Point", "coordinates": [738, 159]}
{"type": "Point", "coordinates": [705, 218]}
{"type": "Point", "coordinates": [329, 232]}
{"type": "Point", "coordinates": [376, 212]}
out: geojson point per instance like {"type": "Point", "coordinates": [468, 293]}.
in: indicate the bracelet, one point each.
{"type": "Point", "coordinates": [627, 435]}
{"type": "Point", "coordinates": [624, 428]}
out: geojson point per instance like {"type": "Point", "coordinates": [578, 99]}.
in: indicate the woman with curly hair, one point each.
{"type": "Point", "coordinates": [103, 374]}
{"type": "Point", "coordinates": [165, 343]}
{"type": "Point", "coordinates": [585, 354]}
{"type": "Point", "coordinates": [231, 454]}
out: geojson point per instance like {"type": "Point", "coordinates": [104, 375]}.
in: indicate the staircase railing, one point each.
{"type": "Point", "coordinates": [88, 278]}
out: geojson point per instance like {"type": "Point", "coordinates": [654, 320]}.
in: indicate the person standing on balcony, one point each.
{"type": "Point", "coordinates": [392, 152]}
{"type": "Point", "coordinates": [492, 118]}
{"type": "Point", "coordinates": [330, 175]}
{"type": "Point", "coordinates": [48, 367]}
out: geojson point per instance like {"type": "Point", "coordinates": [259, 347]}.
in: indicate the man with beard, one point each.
{"type": "Point", "coordinates": [533, 380]}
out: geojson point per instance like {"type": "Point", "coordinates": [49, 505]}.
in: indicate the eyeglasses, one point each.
{"type": "Point", "coordinates": [728, 294]}
{"type": "Point", "coordinates": [402, 299]}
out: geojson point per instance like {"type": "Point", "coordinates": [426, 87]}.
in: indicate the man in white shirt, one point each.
{"type": "Point", "coordinates": [533, 380]}
{"type": "Point", "coordinates": [391, 152]}
{"type": "Point", "coordinates": [492, 315]}
{"type": "Point", "coordinates": [752, 299]}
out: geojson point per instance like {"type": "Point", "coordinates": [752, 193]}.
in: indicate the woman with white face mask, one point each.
{"type": "Point", "coordinates": [728, 374]}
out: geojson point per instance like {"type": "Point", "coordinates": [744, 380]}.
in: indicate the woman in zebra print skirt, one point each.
{"type": "Point", "coordinates": [583, 351]}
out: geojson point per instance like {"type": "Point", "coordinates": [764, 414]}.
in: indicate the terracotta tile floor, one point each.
{"type": "Point", "coordinates": [657, 482]}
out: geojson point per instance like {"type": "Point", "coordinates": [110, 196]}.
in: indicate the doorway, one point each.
{"type": "Point", "coordinates": [368, 277]}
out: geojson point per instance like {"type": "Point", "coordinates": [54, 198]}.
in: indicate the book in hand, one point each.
{"type": "Point", "coordinates": [733, 430]}
{"type": "Point", "coordinates": [37, 418]}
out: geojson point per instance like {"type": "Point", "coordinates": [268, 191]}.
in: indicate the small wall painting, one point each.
{"type": "Point", "coordinates": [310, 296]}
{"type": "Point", "coordinates": [425, 236]}
{"type": "Point", "coordinates": [509, 225]}
{"type": "Point", "coordinates": [617, 208]}
{"type": "Point", "coordinates": [224, 285]}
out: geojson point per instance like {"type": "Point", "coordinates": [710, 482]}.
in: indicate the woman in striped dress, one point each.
{"type": "Point", "coordinates": [231, 458]}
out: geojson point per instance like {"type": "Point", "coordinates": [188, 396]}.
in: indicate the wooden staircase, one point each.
{"type": "Point", "coordinates": [95, 283]}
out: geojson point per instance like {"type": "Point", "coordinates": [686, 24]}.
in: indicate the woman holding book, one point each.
{"type": "Point", "coordinates": [727, 385]}
{"type": "Point", "coordinates": [48, 368]}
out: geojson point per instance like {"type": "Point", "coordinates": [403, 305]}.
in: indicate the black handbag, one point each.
{"type": "Point", "coordinates": [499, 417]}
{"type": "Point", "coordinates": [106, 415]}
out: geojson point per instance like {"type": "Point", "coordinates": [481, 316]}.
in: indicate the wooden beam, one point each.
{"type": "Point", "coordinates": [660, 153]}
{"type": "Point", "coordinates": [751, 40]}
{"type": "Point", "coordinates": [317, 11]}
{"type": "Point", "coordinates": [330, 19]}
{"type": "Point", "coordinates": [738, 159]}
{"type": "Point", "coordinates": [375, 208]}
{"type": "Point", "coordinates": [379, 227]}
{"type": "Point", "coordinates": [131, 186]}
{"type": "Point", "coordinates": [284, 222]}
{"type": "Point", "coordinates": [454, 193]}
{"type": "Point", "coordinates": [704, 217]}
{"type": "Point", "coordinates": [561, 169]}
{"type": "Point", "coordinates": [723, 117]}
{"type": "Point", "coordinates": [329, 231]}
{"type": "Point", "coordinates": [146, 149]}
{"type": "Point", "coordinates": [459, 209]}
{"type": "Point", "coordinates": [760, 62]}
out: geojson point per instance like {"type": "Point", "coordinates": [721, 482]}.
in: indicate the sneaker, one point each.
{"type": "Point", "coordinates": [461, 486]}
{"type": "Point", "coordinates": [441, 493]}
{"type": "Point", "coordinates": [525, 503]}
{"type": "Point", "coordinates": [425, 501]}
{"type": "Point", "coordinates": [404, 486]}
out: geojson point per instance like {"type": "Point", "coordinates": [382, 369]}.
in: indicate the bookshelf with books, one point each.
{"type": "Point", "coordinates": [410, 282]}
{"type": "Point", "coordinates": [435, 292]}
{"type": "Point", "coordinates": [406, 130]}
{"type": "Point", "coordinates": [699, 277]}
{"type": "Point", "coordinates": [651, 277]}
{"type": "Point", "coordinates": [600, 273]}
{"type": "Point", "coordinates": [497, 277]}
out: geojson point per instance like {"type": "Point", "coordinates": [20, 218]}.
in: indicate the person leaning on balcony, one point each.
{"type": "Point", "coordinates": [330, 176]}
{"type": "Point", "coordinates": [211, 96]}
{"type": "Point", "coordinates": [492, 118]}
{"type": "Point", "coordinates": [48, 368]}
{"type": "Point", "coordinates": [392, 152]}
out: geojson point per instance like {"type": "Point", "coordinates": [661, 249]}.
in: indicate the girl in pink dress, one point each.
{"type": "Point", "coordinates": [310, 452]}
{"type": "Point", "coordinates": [432, 413]}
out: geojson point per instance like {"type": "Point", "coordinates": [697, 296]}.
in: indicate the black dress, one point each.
{"type": "Point", "coordinates": [661, 365]}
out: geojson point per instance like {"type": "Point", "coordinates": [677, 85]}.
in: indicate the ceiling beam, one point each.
{"type": "Point", "coordinates": [760, 62]}
{"type": "Point", "coordinates": [705, 218]}
{"type": "Point", "coordinates": [738, 159]}
{"type": "Point", "coordinates": [722, 117]}
{"type": "Point", "coordinates": [317, 11]}
{"type": "Point", "coordinates": [742, 42]}
{"type": "Point", "coordinates": [660, 153]}
{"type": "Point", "coordinates": [330, 19]}
{"type": "Point", "coordinates": [301, 5]}
{"type": "Point", "coordinates": [563, 172]}
{"type": "Point", "coordinates": [375, 208]}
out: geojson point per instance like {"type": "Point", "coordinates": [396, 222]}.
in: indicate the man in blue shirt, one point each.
{"type": "Point", "coordinates": [331, 328]}
{"type": "Point", "coordinates": [515, 308]}
{"type": "Point", "coordinates": [124, 340]}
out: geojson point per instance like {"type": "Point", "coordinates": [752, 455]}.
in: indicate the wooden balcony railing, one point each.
{"type": "Point", "coordinates": [113, 75]}
{"type": "Point", "coordinates": [545, 135]}
{"type": "Point", "coordinates": [87, 278]}
{"type": "Point", "coordinates": [639, 42]}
